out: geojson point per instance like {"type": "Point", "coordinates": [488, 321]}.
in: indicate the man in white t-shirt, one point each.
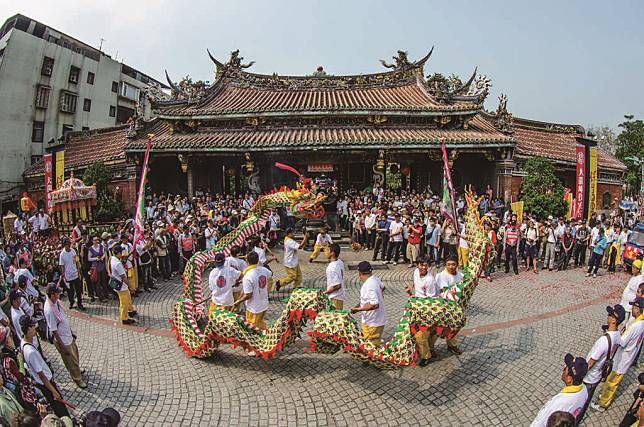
{"type": "Point", "coordinates": [38, 369]}
{"type": "Point", "coordinates": [445, 279]}
{"type": "Point", "coordinates": [629, 347]}
{"type": "Point", "coordinates": [291, 261]}
{"type": "Point", "coordinates": [24, 272]}
{"type": "Point", "coordinates": [573, 396]}
{"type": "Point", "coordinates": [34, 222]}
{"type": "Point", "coordinates": [601, 352]}
{"type": "Point", "coordinates": [335, 277]}
{"type": "Point", "coordinates": [221, 281]}
{"type": "Point", "coordinates": [372, 304]}
{"type": "Point", "coordinates": [322, 243]}
{"type": "Point", "coordinates": [256, 282]}
{"type": "Point", "coordinates": [238, 264]}
{"type": "Point", "coordinates": [45, 222]}
{"type": "Point", "coordinates": [424, 287]}
{"type": "Point", "coordinates": [630, 291]}
{"type": "Point", "coordinates": [67, 260]}
{"type": "Point", "coordinates": [395, 239]}
{"type": "Point", "coordinates": [119, 274]}
{"type": "Point", "coordinates": [64, 340]}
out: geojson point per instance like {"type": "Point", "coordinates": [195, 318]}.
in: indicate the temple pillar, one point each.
{"type": "Point", "coordinates": [503, 176]}
{"type": "Point", "coordinates": [190, 176]}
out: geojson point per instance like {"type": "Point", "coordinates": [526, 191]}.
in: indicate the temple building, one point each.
{"type": "Point", "coordinates": [357, 130]}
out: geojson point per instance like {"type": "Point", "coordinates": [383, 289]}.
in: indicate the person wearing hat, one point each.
{"type": "Point", "coordinates": [255, 283]}
{"type": "Point", "coordinates": [291, 261]}
{"type": "Point", "coordinates": [221, 281]}
{"type": "Point", "coordinates": [372, 304]}
{"type": "Point", "coordinates": [38, 369]}
{"type": "Point", "coordinates": [108, 417]}
{"type": "Point", "coordinates": [599, 246]}
{"type": "Point", "coordinates": [129, 262]}
{"type": "Point", "coordinates": [335, 277]}
{"type": "Point", "coordinates": [424, 287]}
{"type": "Point", "coordinates": [118, 274]}
{"type": "Point", "coordinates": [629, 347]}
{"type": "Point", "coordinates": [630, 291]}
{"type": "Point", "coordinates": [322, 242]}
{"type": "Point", "coordinates": [68, 262]}
{"type": "Point", "coordinates": [61, 332]}
{"type": "Point", "coordinates": [602, 351]}
{"type": "Point", "coordinates": [572, 397]}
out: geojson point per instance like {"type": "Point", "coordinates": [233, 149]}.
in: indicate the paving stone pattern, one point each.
{"type": "Point", "coordinates": [502, 379]}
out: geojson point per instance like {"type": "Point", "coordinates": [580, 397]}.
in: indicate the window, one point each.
{"type": "Point", "coordinates": [66, 130]}
{"type": "Point", "coordinates": [123, 114]}
{"type": "Point", "coordinates": [129, 91]}
{"type": "Point", "coordinates": [90, 77]}
{"type": "Point", "coordinates": [115, 87]}
{"type": "Point", "coordinates": [42, 96]}
{"type": "Point", "coordinates": [87, 105]}
{"type": "Point", "coordinates": [112, 111]}
{"type": "Point", "coordinates": [74, 73]}
{"type": "Point", "coordinates": [47, 66]}
{"type": "Point", "coordinates": [68, 102]}
{"type": "Point", "coordinates": [38, 132]}
{"type": "Point", "coordinates": [35, 159]}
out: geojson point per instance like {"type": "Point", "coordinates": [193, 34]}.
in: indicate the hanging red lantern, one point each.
{"type": "Point", "coordinates": [405, 170]}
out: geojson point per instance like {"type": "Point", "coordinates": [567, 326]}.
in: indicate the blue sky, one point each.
{"type": "Point", "coordinates": [563, 61]}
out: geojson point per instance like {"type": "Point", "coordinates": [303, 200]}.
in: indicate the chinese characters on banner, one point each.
{"type": "Point", "coordinates": [592, 182]}
{"type": "Point", "coordinates": [580, 182]}
{"type": "Point", "coordinates": [48, 180]}
{"type": "Point", "coordinates": [60, 169]}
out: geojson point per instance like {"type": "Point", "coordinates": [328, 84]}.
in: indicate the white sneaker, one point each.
{"type": "Point", "coordinates": [395, 263]}
{"type": "Point", "coordinates": [594, 274]}
{"type": "Point", "coordinates": [252, 354]}
{"type": "Point", "coordinates": [587, 274]}
{"type": "Point", "coordinates": [597, 408]}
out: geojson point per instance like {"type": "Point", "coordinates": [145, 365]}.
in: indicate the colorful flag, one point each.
{"type": "Point", "coordinates": [448, 207]}
{"type": "Point", "coordinates": [139, 218]}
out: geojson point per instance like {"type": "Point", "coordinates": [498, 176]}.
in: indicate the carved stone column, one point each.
{"type": "Point", "coordinates": [503, 171]}
{"type": "Point", "coordinates": [190, 181]}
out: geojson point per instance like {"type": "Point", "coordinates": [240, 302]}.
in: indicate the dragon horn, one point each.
{"type": "Point", "coordinates": [288, 168]}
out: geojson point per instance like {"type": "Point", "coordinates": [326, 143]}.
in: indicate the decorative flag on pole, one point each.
{"type": "Point", "coordinates": [449, 204]}
{"type": "Point", "coordinates": [139, 218]}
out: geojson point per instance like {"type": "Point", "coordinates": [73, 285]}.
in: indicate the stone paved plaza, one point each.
{"type": "Point", "coordinates": [518, 330]}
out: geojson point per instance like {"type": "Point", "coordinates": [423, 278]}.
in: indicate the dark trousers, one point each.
{"type": "Point", "coordinates": [382, 243]}
{"type": "Point", "coordinates": [612, 256]}
{"type": "Point", "coordinates": [433, 253]}
{"type": "Point", "coordinates": [593, 262]}
{"type": "Point", "coordinates": [394, 247]}
{"type": "Point", "coordinates": [75, 291]}
{"type": "Point", "coordinates": [591, 390]}
{"type": "Point", "coordinates": [564, 260]}
{"type": "Point", "coordinates": [59, 408]}
{"type": "Point", "coordinates": [371, 239]}
{"type": "Point", "coordinates": [145, 275]}
{"type": "Point", "coordinates": [449, 251]}
{"type": "Point", "coordinates": [511, 254]}
{"type": "Point", "coordinates": [164, 266]}
{"type": "Point", "coordinates": [580, 254]}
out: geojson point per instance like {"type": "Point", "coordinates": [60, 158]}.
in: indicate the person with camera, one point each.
{"type": "Point", "coordinates": [38, 369]}
{"type": "Point", "coordinates": [629, 348]}
{"type": "Point", "coordinates": [572, 397]}
{"type": "Point", "coordinates": [61, 333]}
{"type": "Point", "coordinates": [600, 358]}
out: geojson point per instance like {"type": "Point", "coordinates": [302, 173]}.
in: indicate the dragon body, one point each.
{"type": "Point", "coordinates": [333, 330]}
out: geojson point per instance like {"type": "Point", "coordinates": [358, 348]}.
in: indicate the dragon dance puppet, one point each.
{"type": "Point", "coordinates": [333, 330]}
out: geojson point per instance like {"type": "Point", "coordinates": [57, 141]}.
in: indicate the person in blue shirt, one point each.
{"type": "Point", "coordinates": [432, 240]}
{"type": "Point", "coordinates": [599, 246]}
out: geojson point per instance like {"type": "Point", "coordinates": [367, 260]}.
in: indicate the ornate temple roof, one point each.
{"type": "Point", "coordinates": [401, 90]}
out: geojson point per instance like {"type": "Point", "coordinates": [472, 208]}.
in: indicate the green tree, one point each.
{"type": "Point", "coordinates": [107, 207]}
{"type": "Point", "coordinates": [630, 143]}
{"type": "Point", "coordinates": [542, 191]}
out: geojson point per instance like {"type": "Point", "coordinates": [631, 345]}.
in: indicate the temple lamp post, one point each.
{"type": "Point", "coordinates": [640, 162]}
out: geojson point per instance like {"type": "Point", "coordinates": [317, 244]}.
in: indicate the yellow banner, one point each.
{"type": "Point", "coordinates": [60, 168]}
{"type": "Point", "coordinates": [592, 182]}
{"type": "Point", "coordinates": [517, 208]}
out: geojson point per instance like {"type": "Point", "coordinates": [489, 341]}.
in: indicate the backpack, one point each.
{"type": "Point", "coordinates": [608, 364]}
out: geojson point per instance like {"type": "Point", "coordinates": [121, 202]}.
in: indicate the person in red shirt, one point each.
{"type": "Point", "coordinates": [414, 234]}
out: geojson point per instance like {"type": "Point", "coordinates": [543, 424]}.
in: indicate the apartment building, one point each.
{"type": "Point", "coordinates": [51, 84]}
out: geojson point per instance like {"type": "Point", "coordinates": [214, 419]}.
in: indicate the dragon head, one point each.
{"type": "Point", "coordinates": [305, 201]}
